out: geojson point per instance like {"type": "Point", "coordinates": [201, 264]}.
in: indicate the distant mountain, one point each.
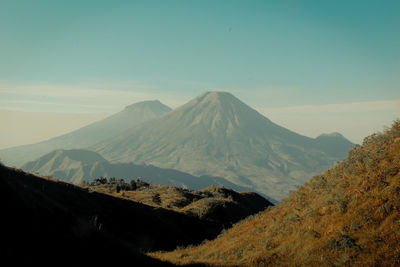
{"type": "Point", "coordinates": [81, 165]}
{"type": "Point", "coordinates": [217, 134]}
{"type": "Point", "coordinates": [89, 135]}
{"type": "Point", "coordinates": [333, 144]}
{"type": "Point", "coordinates": [346, 216]}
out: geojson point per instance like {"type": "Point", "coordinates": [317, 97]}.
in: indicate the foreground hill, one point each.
{"type": "Point", "coordinates": [49, 222]}
{"type": "Point", "coordinates": [78, 166]}
{"type": "Point", "coordinates": [89, 135]}
{"type": "Point", "coordinates": [217, 134]}
{"type": "Point", "coordinates": [346, 216]}
{"type": "Point", "coordinates": [216, 204]}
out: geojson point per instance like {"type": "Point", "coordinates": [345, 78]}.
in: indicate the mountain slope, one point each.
{"type": "Point", "coordinates": [215, 204]}
{"type": "Point", "coordinates": [80, 165]}
{"type": "Point", "coordinates": [217, 134]}
{"type": "Point", "coordinates": [346, 216]}
{"type": "Point", "coordinates": [48, 222]}
{"type": "Point", "coordinates": [89, 135]}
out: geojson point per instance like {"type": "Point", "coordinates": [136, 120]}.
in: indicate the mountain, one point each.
{"type": "Point", "coordinates": [68, 165]}
{"type": "Point", "coordinates": [89, 135]}
{"type": "Point", "coordinates": [346, 216]}
{"type": "Point", "coordinates": [51, 223]}
{"type": "Point", "coordinates": [80, 165]}
{"type": "Point", "coordinates": [334, 144]}
{"type": "Point", "coordinates": [217, 134]}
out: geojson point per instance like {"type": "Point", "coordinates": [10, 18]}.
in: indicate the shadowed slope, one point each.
{"type": "Point", "coordinates": [49, 222]}
{"type": "Point", "coordinates": [347, 216]}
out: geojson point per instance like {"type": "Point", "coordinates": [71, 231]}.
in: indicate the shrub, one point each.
{"type": "Point", "coordinates": [385, 209]}
{"type": "Point", "coordinates": [156, 199]}
{"type": "Point", "coordinates": [342, 242]}
{"type": "Point", "coordinates": [313, 233]}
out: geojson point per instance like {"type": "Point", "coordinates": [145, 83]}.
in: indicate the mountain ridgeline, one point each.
{"type": "Point", "coordinates": [213, 135]}
{"type": "Point", "coordinates": [89, 135]}
{"type": "Point", "coordinates": [79, 165]}
{"type": "Point", "coordinates": [217, 134]}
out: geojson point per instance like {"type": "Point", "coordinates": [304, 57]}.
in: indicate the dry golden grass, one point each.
{"type": "Point", "coordinates": [217, 205]}
{"type": "Point", "coordinates": [348, 216]}
{"type": "Point", "coordinates": [171, 197]}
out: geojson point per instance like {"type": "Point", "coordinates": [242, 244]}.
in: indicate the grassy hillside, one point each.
{"type": "Point", "coordinates": [215, 204]}
{"type": "Point", "coordinates": [346, 216]}
{"type": "Point", "coordinates": [44, 221]}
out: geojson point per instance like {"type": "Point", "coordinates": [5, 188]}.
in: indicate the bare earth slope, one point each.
{"type": "Point", "coordinates": [346, 216]}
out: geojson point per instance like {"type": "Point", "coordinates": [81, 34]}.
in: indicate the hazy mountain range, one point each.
{"type": "Point", "coordinates": [214, 134]}
{"type": "Point", "coordinates": [217, 134]}
{"type": "Point", "coordinates": [80, 165]}
{"type": "Point", "coordinates": [88, 135]}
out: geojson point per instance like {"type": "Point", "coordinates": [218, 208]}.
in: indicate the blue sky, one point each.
{"type": "Point", "coordinates": [97, 56]}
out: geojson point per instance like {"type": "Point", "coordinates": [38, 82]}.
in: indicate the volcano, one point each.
{"type": "Point", "coordinates": [217, 134]}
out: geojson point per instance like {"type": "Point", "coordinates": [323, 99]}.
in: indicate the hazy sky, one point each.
{"type": "Point", "coordinates": [20, 128]}
{"type": "Point", "coordinates": [301, 63]}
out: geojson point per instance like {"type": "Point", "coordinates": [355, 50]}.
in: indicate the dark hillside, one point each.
{"type": "Point", "coordinates": [49, 222]}
{"type": "Point", "coordinates": [88, 135]}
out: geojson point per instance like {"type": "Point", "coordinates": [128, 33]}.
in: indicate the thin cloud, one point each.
{"type": "Point", "coordinates": [337, 108]}
{"type": "Point", "coordinates": [100, 96]}
{"type": "Point", "coordinates": [74, 90]}
{"type": "Point", "coordinates": [11, 103]}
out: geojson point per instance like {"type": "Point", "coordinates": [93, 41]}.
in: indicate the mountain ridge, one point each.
{"type": "Point", "coordinates": [88, 135]}
{"type": "Point", "coordinates": [78, 166]}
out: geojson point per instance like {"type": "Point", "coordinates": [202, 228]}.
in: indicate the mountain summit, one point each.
{"type": "Point", "coordinates": [147, 108]}
{"type": "Point", "coordinates": [333, 143]}
{"type": "Point", "coordinates": [89, 135]}
{"type": "Point", "coordinates": [217, 134]}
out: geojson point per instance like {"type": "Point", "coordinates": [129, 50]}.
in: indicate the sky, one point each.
{"type": "Point", "coordinates": [311, 66]}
